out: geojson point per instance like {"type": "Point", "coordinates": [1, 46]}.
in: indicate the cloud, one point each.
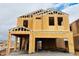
{"type": "Point", "coordinates": [10, 12]}
{"type": "Point", "coordinates": [73, 12]}
{"type": "Point", "coordinates": [61, 6]}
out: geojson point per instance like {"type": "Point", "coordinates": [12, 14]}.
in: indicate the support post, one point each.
{"type": "Point", "coordinates": [23, 43]}
{"type": "Point", "coordinates": [71, 44]}
{"type": "Point", "coordinates": [20, 43]}
{"type": "Point", "coordinates": [15, 44]}
{"type": "Point", "coordinates": [31, 44]}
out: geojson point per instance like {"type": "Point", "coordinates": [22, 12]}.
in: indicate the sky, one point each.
{"type": "Point", "coordinates": [10, 11]}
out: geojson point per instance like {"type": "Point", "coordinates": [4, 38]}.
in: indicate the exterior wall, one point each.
{"type": "Point", "coordinates": [37, 23]}
{"type": "Point", "coordinates": [40, 28]}
{"type": "Point", "coordinates": [64, 26]}
{"type": "Point", "coordinates": [20, 22]}
{"type": "Point", "coordinates": [43, 23]}
{"type": "Point", "coordinates": [76, 43]}
{"type": "Point", "coordinates": [40, 34]}
{"type": "Point", "coordinates": [60, 43]}
{"type": "Point", "coordinates": [74, 27]}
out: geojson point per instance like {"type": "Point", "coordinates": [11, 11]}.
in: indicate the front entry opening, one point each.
{"type": "Point", "coordinates": [48, 44]}
{"type": "Point", "coordinates": [24, 43]}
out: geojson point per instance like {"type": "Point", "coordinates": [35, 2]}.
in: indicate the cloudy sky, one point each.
{"type": "Point", "coordinates": [10, 12]}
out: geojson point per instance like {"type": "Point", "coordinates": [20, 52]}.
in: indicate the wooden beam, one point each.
{"type": "Point", "coordinates": [15, 44]}
{"type": "Point", "coordinates": [20, 42]}
{"type": "Point", "coordinates": [23, 43]}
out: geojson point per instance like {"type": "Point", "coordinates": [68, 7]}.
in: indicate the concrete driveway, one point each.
{"type": "Point", "coordinates": [42, 53]}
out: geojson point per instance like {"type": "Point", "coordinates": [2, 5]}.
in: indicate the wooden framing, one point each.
{"type": "Point", "coordinates": [40, 28]}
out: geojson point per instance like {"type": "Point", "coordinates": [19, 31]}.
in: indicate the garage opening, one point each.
{"type": "Point", "coordinates": [49, 44]}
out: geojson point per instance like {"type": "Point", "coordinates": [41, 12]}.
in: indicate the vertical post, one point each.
{"type": "Point", "coordinates": [56, 23]}
{"type": "Point", "coordinates": [8, 44]}
{"type": "Point", "coordinates": [26, 44]}
{"type": "Point", "coordinates": [31, 44]}
{"type": "Point", "coordinates": [20, 43]}
{"type": "Point", "coordinates": [23, 43]}
{"type": "Point", "coordinates": [15, 44]}
{"type": "Point", "coordinates": [71, 45]}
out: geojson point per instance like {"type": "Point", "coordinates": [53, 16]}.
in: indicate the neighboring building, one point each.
{"type": "Point", "coordinates": [2, 47]}
{"type": "Point", "coordinates": [42, 29]}
{"type": "Point", "coordinates": [2, 43]}
{"type": "Point", "coordinates": [74, 27]}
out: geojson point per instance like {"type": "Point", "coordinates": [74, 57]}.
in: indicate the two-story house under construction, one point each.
{"type": "Point", "coordinates": [42, 29]}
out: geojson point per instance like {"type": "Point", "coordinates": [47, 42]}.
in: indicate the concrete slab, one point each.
{"type": "Point", "coordinates": [42, 53]}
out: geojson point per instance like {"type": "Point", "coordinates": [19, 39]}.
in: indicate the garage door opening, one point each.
{"type": "Point", "coordinates": [48, 44]}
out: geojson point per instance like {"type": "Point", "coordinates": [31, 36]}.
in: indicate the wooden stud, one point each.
{"type": "Point", "coordinates": [15, 44]}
